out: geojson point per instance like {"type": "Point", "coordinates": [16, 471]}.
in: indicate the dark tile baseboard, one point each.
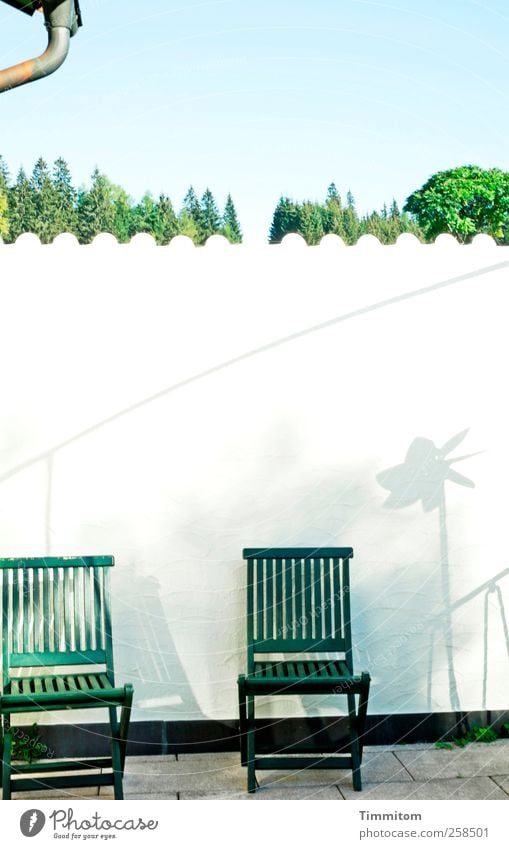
{"type": "Point", "coordinates": [306, 734]}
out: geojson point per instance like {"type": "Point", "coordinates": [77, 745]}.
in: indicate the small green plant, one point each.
{"type": "Point", "coordinates": [27, 744]}
{"type": "Point", "coordinates": [477, 734]}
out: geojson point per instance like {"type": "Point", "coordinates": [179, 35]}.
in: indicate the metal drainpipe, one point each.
{"type": "Point", "coordinates": [61, 22]}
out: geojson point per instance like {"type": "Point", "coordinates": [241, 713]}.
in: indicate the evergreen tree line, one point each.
{"type": "Point", "coordinates": [47, 203]}
{"type": "Point", "coordinates": [315, 220]}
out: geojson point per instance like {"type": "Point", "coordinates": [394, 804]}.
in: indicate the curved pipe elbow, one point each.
{"type": "Point", "coordinates": [48, 62]}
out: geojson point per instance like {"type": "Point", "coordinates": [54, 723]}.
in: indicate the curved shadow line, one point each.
{"type": "Point", "coordinates": [292, 337]}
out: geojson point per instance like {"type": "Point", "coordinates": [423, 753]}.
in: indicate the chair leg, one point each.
{"type": "Point", "coordinates": [242, 720]}
{"type": "Point", "coordinates": [116, 757]}
{"type": "Point", "coordinates": [354, 744]}
{"type": "Point", "coordinates": [251, 777]}
{"type": "Point", "coordinates": [125, 717]}
{"type": "Point", "coordinates": [6, 759]}
{"type": "Point", "coordinates": [362, 712]}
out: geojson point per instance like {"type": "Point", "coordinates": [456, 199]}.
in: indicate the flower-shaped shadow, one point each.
{"type": "Point", "coordinates": [423, 474]}
{"type": "Point", "coordinates": [422, 477]}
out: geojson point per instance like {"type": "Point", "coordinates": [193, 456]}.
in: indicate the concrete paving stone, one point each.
{"type": "Point", "coordinates": [199, 777]}
{"type": "Point", "coordinates": [154, 763]}
{"type": "Point", "coordinates": [502, 781]}
{"type": "Point", "coordinates": [212, 760]}
{"type": "Point", "coordinates": [209, 773]}
{"type": "Point", "coordinates": [134, 785]}
{"type": "Point", "coordinates": [155, 796]}
{"type": "Point", "coordinates": [474, 760]}
{"type": "Point", "coordinates": [215, 775]}
{"type": "Point", "coordinates": [396, 747]}
{"type": "Point", "coordinates": [453, 788]}
{"type": "Point", "coordinates": [269, 793]}
{"type": "Point", "coordinates": [379, 766]}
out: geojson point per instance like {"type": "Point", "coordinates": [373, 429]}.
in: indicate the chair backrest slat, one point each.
{"type": "Point", "coordinates": [278, 589]}
{"type": "Point", "coordinates": [56, 612]}
{"type": "Point", "coordinates": [67, 609]}
{"type": "Point", "coordinates": [57, 608]}
{"type": "Point", "coordinates": [98, 610]}
{"type": "Point", "coordinates": [26, 610]}
{"type": "Point", "coordinates": [46, 613]}
{"type": "Point", "coordinates": [88, 611]}
{"type": "Point", "coordinates": [298, 600]}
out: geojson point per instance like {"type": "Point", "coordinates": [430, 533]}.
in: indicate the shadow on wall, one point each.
{"type": "Point", "coordinates": [150, 659]}
{"type": "Point", "coordinates": [422, 477]}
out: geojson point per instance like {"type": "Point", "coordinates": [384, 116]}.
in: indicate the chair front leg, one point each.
{"type": "Point", "coordinates": [242, 720]}
{"type": "Point", "coordinates": [125, 717]}
{"type": "Point", "coordinates": [354, 744]}
{"type": "Point", "coordinates": [363, 709]}
{"type": "Point", "coordinates": [6, 758]}
{"type": "Point", "coordinates": [116, 757]}
{"type": "Point", "coordinates": [251, 776]}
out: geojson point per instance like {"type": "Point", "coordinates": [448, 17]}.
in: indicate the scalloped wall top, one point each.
{"type": "Point", "coordinates": [292, 241]}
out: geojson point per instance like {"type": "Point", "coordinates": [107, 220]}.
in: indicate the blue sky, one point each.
{"type": "Point", "coordinates": [266, 97]}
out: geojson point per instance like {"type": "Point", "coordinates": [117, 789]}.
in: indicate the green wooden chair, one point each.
{"type": "Point", "coordinates": [56, 629]}
{"type": "Point", "coordinates": [298, 608]}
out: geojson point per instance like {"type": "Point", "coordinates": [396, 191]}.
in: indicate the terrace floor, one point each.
{"type": "Point", "coordinates": [479, 771]}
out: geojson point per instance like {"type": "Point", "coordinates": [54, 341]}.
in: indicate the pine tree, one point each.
{"type": "Point", "coordinates": [122, 215]}
{"type": "Point", "coordinates": [144, 216]}
{"type": "Point", "coordinates": [333, 213]}
{"type": "Point", "coordinates": [285, 220]}
{"type": "Point", "coordinates": [166, 224]}
{"type": "Point", "coordinates": [376, 225]}
{"type": "Point", "coordinates": [187, 227]}
{"type": "Point", "coordinates": [96, 209]}
{"type": "Point", "coordinates": [311, 223]}
{"type": "Point", "coordinates": [22, 213]}
{"type": "Point", "coordinates": [4, 200]}
{"type": "Point", "coordinates": [45, 201]}
{"type": "Point", "coordinates": [66, 219]}
{"type": "Point", "coordinates": [394, 210]}
{"type": "Point", "coordinates": [351, 223]}
{"type": "Point", "coordinates": [231, 226]}
{"type": "Point", "coordinates": [193, 213]}
{"type": "Point", "coordinates": [211, 219]}
{"type": "Point", "coordinates": [4, 215]}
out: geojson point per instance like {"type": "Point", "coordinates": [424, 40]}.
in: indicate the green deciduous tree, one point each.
{"type": "Point", "coordinates": [463, 201]}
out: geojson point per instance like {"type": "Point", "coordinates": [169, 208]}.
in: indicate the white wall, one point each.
{"type": "Point", "coordinates": [173, 405]}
